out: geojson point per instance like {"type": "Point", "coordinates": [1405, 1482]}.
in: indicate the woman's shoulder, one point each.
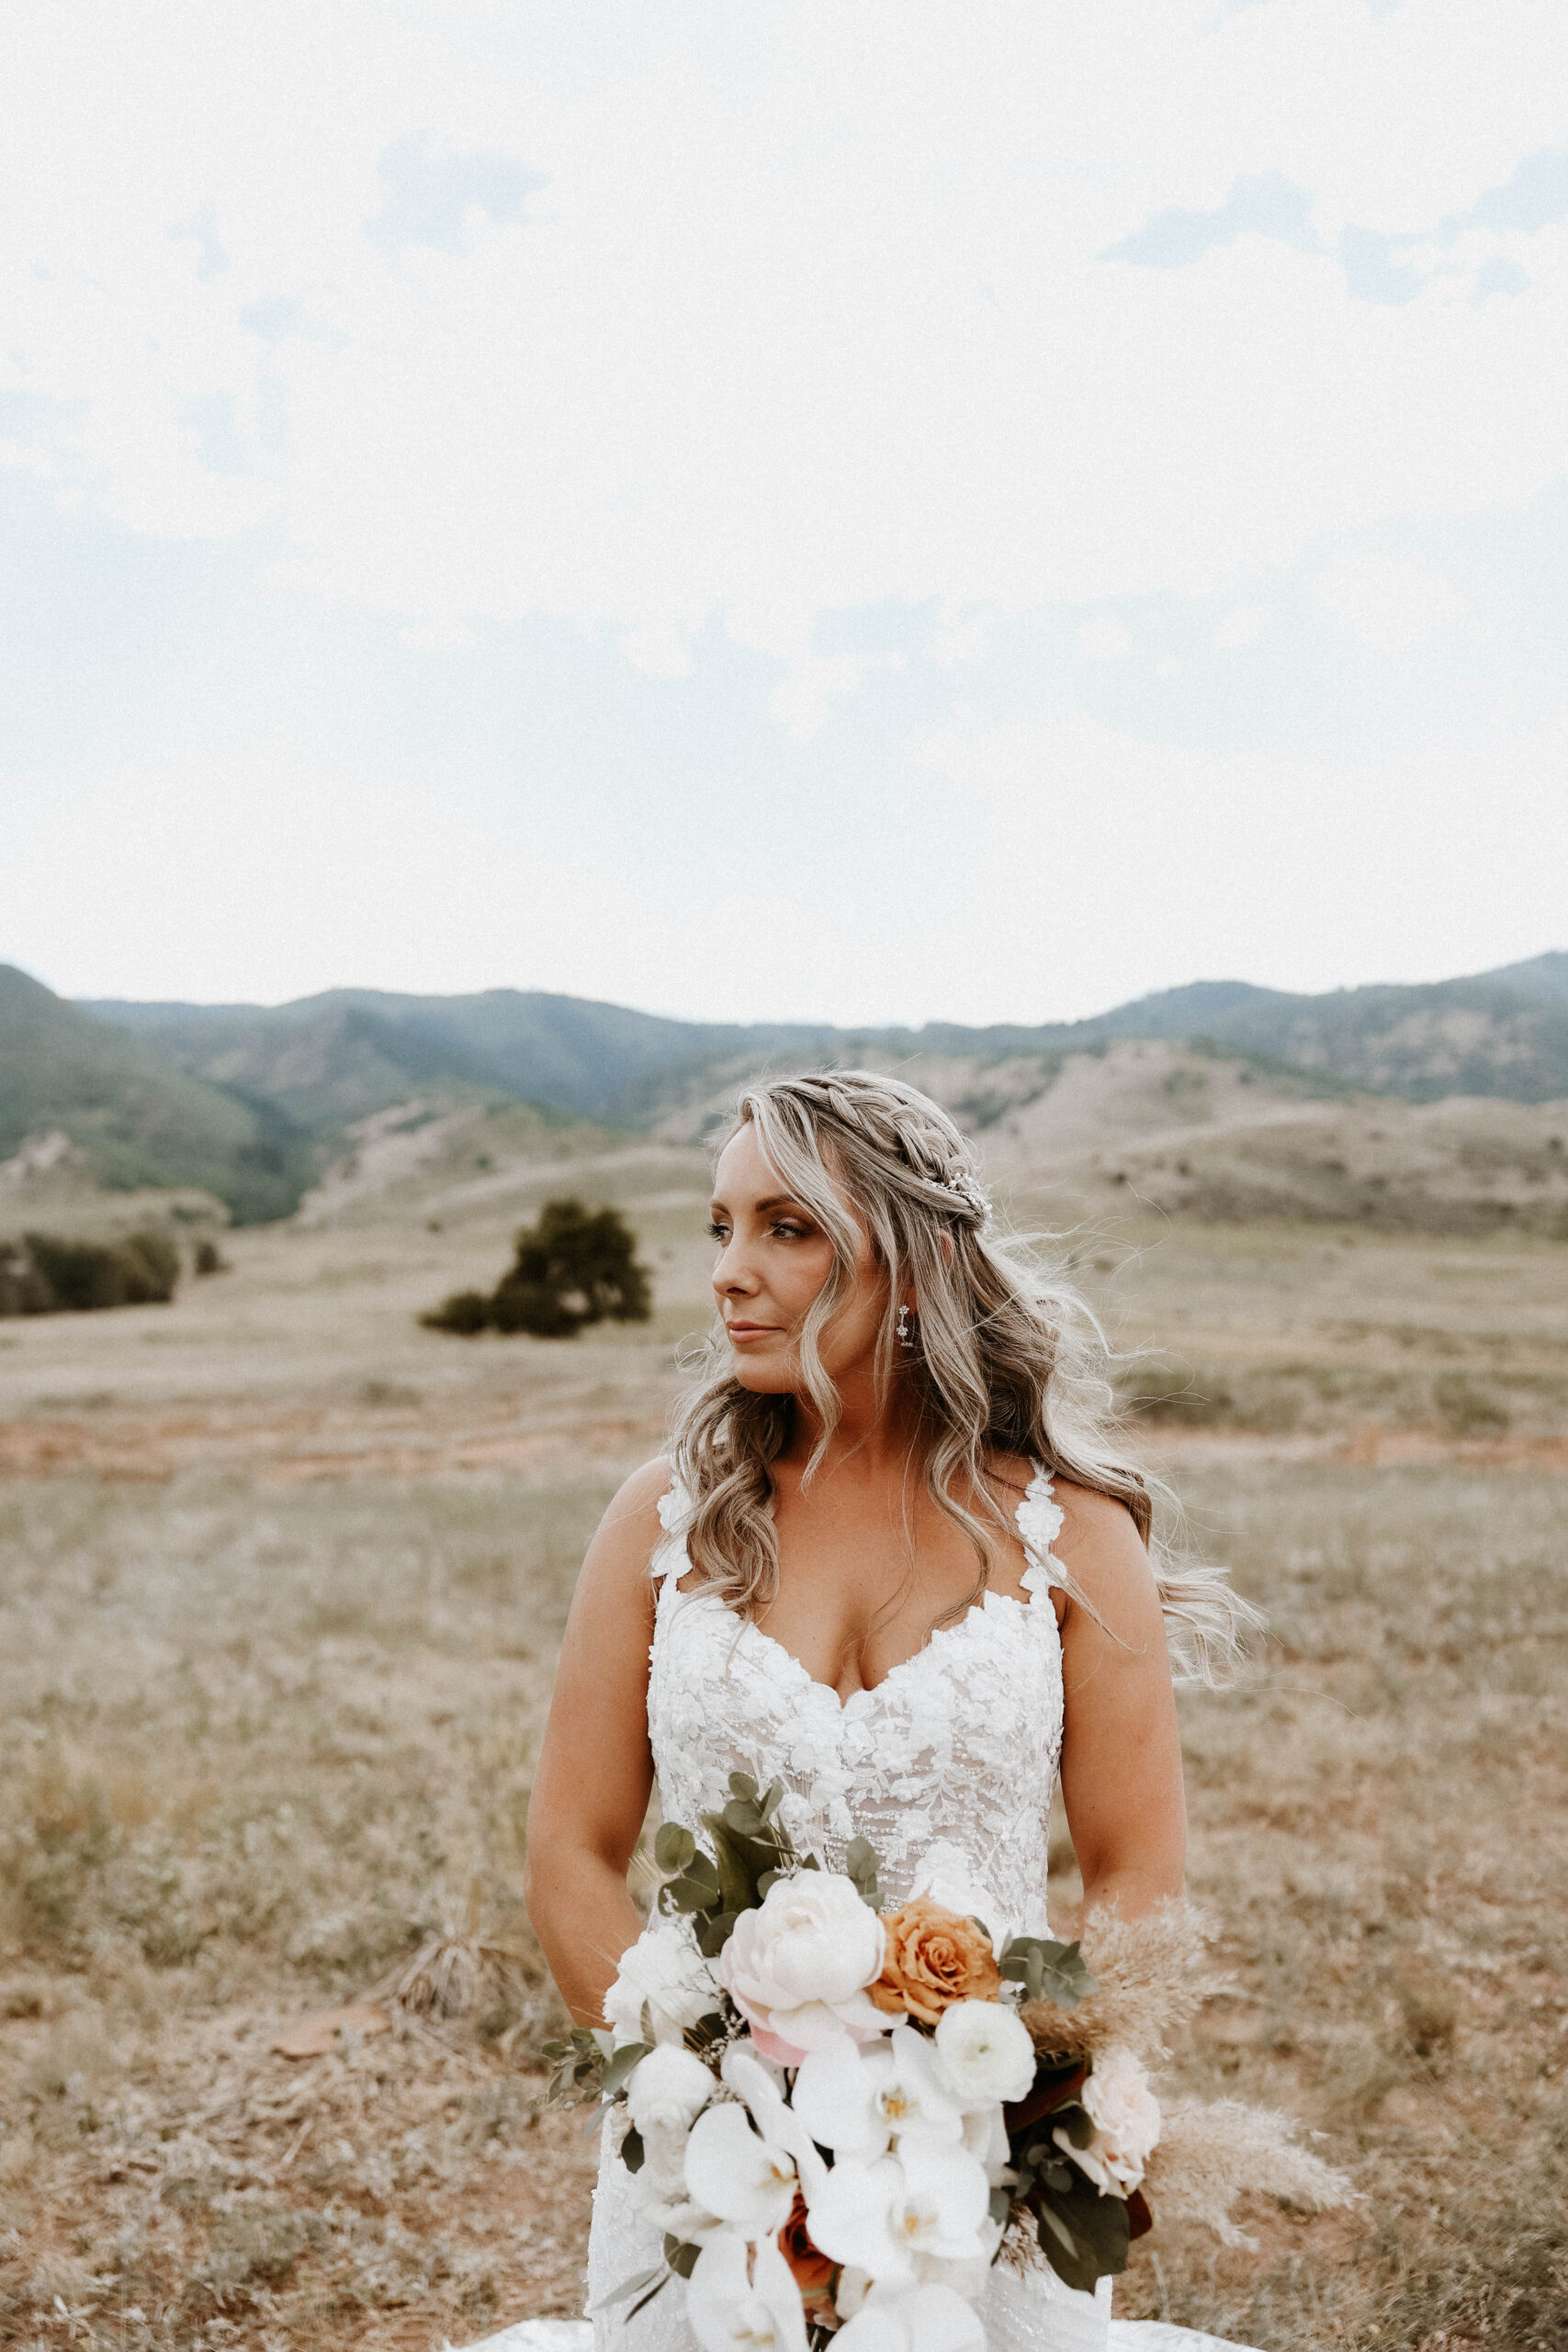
{"type": "Point", "coordinates": [633, 1525]}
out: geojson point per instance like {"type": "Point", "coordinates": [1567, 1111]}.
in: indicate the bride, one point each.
{"type": "Point", "coordinates": [896, 1560]}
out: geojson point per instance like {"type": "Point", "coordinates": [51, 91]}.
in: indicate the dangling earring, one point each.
{"type": "Point", "coordinates": [906, 1338]}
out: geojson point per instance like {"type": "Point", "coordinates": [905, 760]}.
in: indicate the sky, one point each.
{"type": "Point", "coordinates": [861, 512]}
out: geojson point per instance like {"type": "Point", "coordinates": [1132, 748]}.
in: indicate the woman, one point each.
{"type": "Point", "coordinates": [894, 1560]}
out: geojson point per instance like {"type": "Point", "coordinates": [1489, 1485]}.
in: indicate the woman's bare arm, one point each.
{"type": "Point", "coordinates": [595, 1769]}
{"type": "Point", "coordinates": [1120, 1755]}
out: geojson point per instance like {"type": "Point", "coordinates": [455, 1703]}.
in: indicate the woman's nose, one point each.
{"type": "Point", "coordinates": [731, 1273]}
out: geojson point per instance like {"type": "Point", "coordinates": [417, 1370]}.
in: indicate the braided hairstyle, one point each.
{"type": "Point", "coordinates": [1007, 1357]}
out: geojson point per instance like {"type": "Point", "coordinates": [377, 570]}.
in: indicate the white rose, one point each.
{"type": "Point", "coordinates": [797, 1967]}
{"type": "Point", "coordinates": [669, 2089]}
{"type": "Point", "coordinates": [665, 1970]}
{"type": "Point", "coordinates": [1125, 2112]}
{"type": "Point", "coordinates": [985, 2053]}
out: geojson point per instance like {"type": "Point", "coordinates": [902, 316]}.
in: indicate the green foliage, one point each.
{"type": "Point", "coordinates": [1047, 1970]}
{"type": "Point", "coordinates": [207, 1259]}
{"type": "Point", "coordinates": [47, 1275]}
{"type": "Point", "coordinates": [576, 1266]}
{"type": "Point", "coordinates": [135, 1116]}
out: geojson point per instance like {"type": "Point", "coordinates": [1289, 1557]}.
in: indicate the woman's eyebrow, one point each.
{"type": "Point", "coordinates": [774, 1200]}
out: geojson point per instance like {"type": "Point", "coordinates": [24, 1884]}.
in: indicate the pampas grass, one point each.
{"type": "Point", "coordinates": [1212, 2151]}
{"type": "Point", "coordinates": [1152, 1975]}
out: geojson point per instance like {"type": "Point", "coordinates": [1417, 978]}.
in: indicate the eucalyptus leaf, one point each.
{"type": "Point", "coordinates": [741, 1784]}
{"type": "Point", "coordinates": [1001, 2204]}
{"type": "Point", "coordinates": [629, 2287]}
{"type": "Point", "coordinates": [623, 2065]}
{"type": "Point", "coordinates": [859, 1865]}
{"type": "Point", "coordinates": [647, 2298]}
{"type": "Point", "coordinates": [674, 1846]}
{"type": "Point", "coordinates": [1083, 2233]}
{"type": "Point", "coordinates": [633, 2153]}
{"type": "Point", "coordinates": [715, 1933]}
{"type": "Point", "coordinates": [680, 2256]}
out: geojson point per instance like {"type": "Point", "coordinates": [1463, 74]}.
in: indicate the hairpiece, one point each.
{"type": "Point", "coordinates": [964, 1189]}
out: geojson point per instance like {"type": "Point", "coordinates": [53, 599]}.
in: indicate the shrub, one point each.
{"type": "Point", "coordinates": [48, 1276]}
{"type": "Point", "coordinates": [576, 1266]}
{"type": "Point", "coordinates": [207, 1259]}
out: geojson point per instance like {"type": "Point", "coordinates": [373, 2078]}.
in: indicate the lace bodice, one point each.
{"type": "Point", "coordinates": [947, 1766]}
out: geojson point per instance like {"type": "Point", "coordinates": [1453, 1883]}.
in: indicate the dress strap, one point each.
{"type": "Point", "coordinates": [1040, 1517]}
{"type": "Point", "coordinates": [669, 1561]}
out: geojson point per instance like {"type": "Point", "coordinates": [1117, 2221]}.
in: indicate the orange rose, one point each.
{"type": "Point", "coordinates": [934, 1957]}
{"type": "Point", "coordinates": [814, 2271]}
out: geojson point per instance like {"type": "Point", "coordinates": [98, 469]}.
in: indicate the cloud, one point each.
{"type": "Point", "coordinates": [812, 323]}
{"type": "Point", "coordinates": [1260, 204]}
{"type": "Point", "coordinates": [1103, 639]}
{"type": "Point", "coordinates": [1388, 606]}
{"type": "Point", "coordinates": [1241, 627]}
{"type": "Point", "coordinates": [432, 199]}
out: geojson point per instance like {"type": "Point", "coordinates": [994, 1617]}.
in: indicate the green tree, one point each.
{"type": "Point", "coordinates": [576, 1266]}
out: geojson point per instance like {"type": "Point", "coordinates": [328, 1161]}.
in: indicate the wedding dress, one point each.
{"type": "Point", "coordinates": [948, 1767]}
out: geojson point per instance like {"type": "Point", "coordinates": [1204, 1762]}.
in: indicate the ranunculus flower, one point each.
{"type": "Point", "coordinates": [734, 2173]}
{"type": "Point", "coordinates": [669, 2089]}
{"type": "Point", "coordinates": [918, 2319]}
{"type": "Point", "coordinates": [1125, 2114]}
{"type": "Point", "coordinates": [665, 1970]}
{"type": "Point", "coordinates": [985, 2053]}
{"type": "Point", "coordinates": [934, 1957]}
{"type": "Point", "coordinates": [744, 2299]}
{"type": "Point", "coordinates": [798, 1965]}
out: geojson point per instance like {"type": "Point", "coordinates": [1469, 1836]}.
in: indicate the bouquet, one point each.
{"type": "Point", "coordinates": [835, 2114]}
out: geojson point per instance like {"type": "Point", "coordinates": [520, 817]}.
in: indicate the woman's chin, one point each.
{"type": "Point", "coordinates": [764, 1375]}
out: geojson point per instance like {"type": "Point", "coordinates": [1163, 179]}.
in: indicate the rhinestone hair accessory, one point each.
{"type": "Point", "coordinates": [966, 1190]}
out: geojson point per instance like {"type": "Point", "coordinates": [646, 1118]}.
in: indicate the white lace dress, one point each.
{"type": "Point", "coordinates": [949, 1763]}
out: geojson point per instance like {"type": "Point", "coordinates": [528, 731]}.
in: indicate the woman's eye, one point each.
{"type": "Point", "coordinates": [790, 1232]}
{"type": "Point", "coordinates": [718, 1232]}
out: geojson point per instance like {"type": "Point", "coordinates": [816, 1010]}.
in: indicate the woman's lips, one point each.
{"type": "Point", "coordinates": [739, 1333]}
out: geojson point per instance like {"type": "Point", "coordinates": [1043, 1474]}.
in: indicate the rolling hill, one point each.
{"type": "Point", "coordinates": [136, 1118]}
{"type": "Point", "coordinates": [257, 1102]}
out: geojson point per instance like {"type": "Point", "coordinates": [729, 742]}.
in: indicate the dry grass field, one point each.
{"type": "Point", "coordinates": [281, 1578]}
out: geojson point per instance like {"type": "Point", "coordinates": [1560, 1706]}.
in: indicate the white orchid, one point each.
{"type": "Point", "coordinates": [744, 2299]}
{"type": "Point", "coordinates": [664, 1973]}
{"type": "Point", "coordinates": [858, 2100]}
{"type": "Point", "coordinates": [881, 2217]}
{"type": "Point", "coordinates": [745, 2180]}
{"type": "Point", "coordinates": [986, 2139]}
{"type": "Point", "coordinates": [798, 1966]}
{"type": "Point", "coordinates": [918, 2319]}
{"type": "Point", "coordinates": [753, 2083]}
{"type": "Point", "coordinates": [944, 2210]}
{"type": "Point", "coordinates": [851, 2218]}
{"type": "Point", "coordinates": [986, 2054]}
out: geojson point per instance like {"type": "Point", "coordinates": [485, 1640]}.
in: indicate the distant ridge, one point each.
{"type": "Point", "coordinates": [252, 1101]}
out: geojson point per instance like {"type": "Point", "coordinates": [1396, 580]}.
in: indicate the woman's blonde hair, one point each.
{"type": "Point", "coordinates": [1007, 1356]}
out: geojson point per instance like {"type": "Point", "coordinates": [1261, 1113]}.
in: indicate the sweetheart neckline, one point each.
{"type": "Point", "coordinates": [871, 1689]}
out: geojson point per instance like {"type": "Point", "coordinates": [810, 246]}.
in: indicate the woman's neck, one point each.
{"type": "Point", "coordinates": [878, 1440]}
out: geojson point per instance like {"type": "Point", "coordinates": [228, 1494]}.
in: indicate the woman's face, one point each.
{"type": "Point", "coordinates": [774, 1259]}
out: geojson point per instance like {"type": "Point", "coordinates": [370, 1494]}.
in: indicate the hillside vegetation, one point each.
{"type": "Point", "coordinates": [136, 1118]}
{"type": "Point", "coordinates": [325, 1101]}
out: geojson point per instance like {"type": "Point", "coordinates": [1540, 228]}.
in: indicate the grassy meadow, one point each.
{"type": "Point", "coordinates": [281, 1579]}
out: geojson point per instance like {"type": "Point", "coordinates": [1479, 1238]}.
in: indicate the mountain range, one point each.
{"type": "Point", "coordinates": [253, 1102]}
